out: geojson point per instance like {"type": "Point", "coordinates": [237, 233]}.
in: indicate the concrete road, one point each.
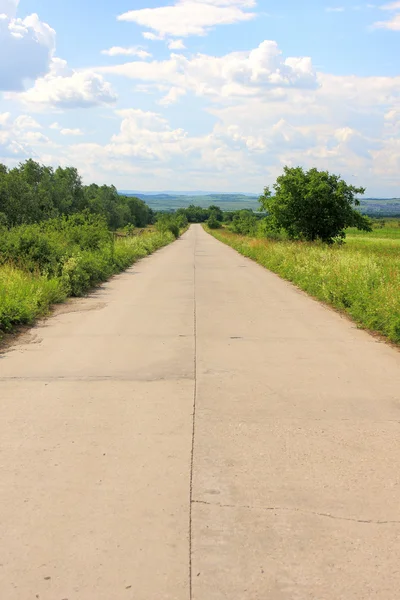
{"type": "Point", "coordinates": [287, 487]}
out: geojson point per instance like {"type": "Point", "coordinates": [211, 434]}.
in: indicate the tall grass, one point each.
{"type": "Point", "coordinates": [27, 291]}
{"type": "Point", "coordinates": [361, 278]}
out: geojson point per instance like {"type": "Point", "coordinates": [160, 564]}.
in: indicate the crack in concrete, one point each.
{"type": "Point", "coordinates": [299, 510]}
{"type": "Point", "coordinates": [194, 423]}
{"type": "Point", "coordinates": [95, 378]}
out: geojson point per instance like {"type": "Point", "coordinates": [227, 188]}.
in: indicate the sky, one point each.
{"type": "Point", "coordinates": [213, 95]}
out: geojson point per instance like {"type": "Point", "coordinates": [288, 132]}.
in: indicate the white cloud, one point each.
{"type": "Point", "coordinates": [65, 88]}
{"type": "Point", "coordinates": [173, 96]}
{"type": "Point", "coordinates": [190, 17]}
{"type": "Point", "coordinates": [335, 9]}
{"type": "Point", "coordinates": [9, 8]}
{"type": "Point", "coordinates": [148, 35]}
{"type": "Point", "coordinates": [26, 122]}
{"type": "Point", "coordinates": [27, 46]}
{"type": "Point", "coordinates": [146, 135]}
{"type": "Point", "coordinates": [4, 119]}
{"type": "Point", "coordinates": [176, 45]}
{"type": "Point", "coordinates": [71, 132]}
{"type": "Point", "coordinates": [18, 138]}
{"type": "Point", "coordinates": [340, 126]}
{"type": "Point", "coordinates": [131, 51]}
{"type": "Point", "coordinates": [393, 23]}
{"type": "Point", "coordinates": [262, 70]}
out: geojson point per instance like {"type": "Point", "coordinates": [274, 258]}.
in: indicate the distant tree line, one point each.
{"type": "Point", "coordinates": [32, 193]}
{"type": "Point", "coordinates": [306, 205]}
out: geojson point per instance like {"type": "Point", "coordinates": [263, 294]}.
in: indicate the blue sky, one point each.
{"type": "Point", "coordinates": [202, 94]}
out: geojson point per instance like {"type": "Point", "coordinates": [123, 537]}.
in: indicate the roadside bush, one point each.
{"type": "Point", "coordinates": [168, 222]}
{"type": "Point", "coordinates": [244, 222]}
{"type": "Point", "coordinates": [27, 291]}
{"type": "Point", "coordinates": [24, 296]}
{"type": "Point", "coordinates": [213, 222]}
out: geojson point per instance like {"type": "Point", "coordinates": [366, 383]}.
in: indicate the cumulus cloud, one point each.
{"type": "Point", "coordinates": [19, 137]}
{"type": "Point", "coordinates": [146, 135]}
{"type": "Point", "coordinates": [190, 17]}
{"type": "Point", "coordinates": [346, 124]}
{"type": "Point", "coordinates": [131, 51]}
{"type": "Point", "coordinates": [27, 55]}
{"type": "Point", "coordinates": [261, 70]}
{"type": "Point", "coordinates": [27, 46]}
{"type": "Point", "coordinates": [64, 88]}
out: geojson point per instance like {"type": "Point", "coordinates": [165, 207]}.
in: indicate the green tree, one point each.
{"type": "Point", "coordinates": [140, 214]}
{"type": "Point", "coordinates": [313, 205]}
{"type": "Point", "coordinates": [196, 214]}
{"type": "Point", "coordinates": [216, 212]}
{"type": "Point", "coordinates": [69, 195]}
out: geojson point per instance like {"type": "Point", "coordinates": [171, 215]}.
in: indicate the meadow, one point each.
{"type": "Point", "coordinates": [361, 278]}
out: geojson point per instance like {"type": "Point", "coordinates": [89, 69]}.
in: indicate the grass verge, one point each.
{"type": "Point", "coordinates": [26, 295]}
{"type": "Point", "coordinates": [361, 280]}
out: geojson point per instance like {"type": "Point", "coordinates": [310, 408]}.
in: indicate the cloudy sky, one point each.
{"type": "Point", "coordinates": [202, 94]}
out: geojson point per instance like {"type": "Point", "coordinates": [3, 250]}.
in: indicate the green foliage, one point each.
{"type": "Point", "coordinates": [181, 220]}
{"type": "Point", "coordinates": [24, 296]}
{"type": "Point", "coordinates": [55, 237]}
{"type": "Point", "coordinates": [216, 213]}
{"type": "Point", "coordinates": [361, 277]}
{"type": "Point", "coordinates": [213, 222]}
{"type": "Point", "coordinates": [32, 193]}
{"type": "Point", "coordinates": [244, 222]}
{"type": "Point", "coordinates": [196, 214]}
{"type": "Point", "coordinates": [311, 205]}
{"type": "Point", "coordinates": [168, 222]}
{"type": "Point", "coordinates": [43, 247]}
{"type": "Point", "coordinates": [28, 292]}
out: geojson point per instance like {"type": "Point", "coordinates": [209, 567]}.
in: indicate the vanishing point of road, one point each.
{"type": "Point", "coordinates": [199, 429]}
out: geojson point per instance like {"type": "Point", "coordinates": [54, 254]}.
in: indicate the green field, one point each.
{"type": "Point", "coordinates": [360, 278]}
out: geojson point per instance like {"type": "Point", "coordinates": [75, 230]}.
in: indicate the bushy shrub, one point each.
{"type": "Point", "coordinates": [168, 222]}
{"type": "Point", "coordinates": [28, 290]}
{"type": "Point", "coordinates": [213, 222]}
{"type": "Point", "coordinates": [244, 222]}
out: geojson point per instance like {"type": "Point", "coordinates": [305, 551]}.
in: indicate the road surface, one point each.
{"type": "Point", "coordinates": [284, 486]}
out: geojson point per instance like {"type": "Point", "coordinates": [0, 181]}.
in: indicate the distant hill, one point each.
{"type": "Point", "coordinates": [170, 201]}
{"type": "Point", "coordinates": [380, 207]}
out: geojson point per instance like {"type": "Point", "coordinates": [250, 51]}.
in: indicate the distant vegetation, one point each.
{"type": "Point", "coordinates": [172, 202]}
{"type": "Point", "coordinates": [373, 207]}
{"type": "Point", "coordinates": [32, 193]}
